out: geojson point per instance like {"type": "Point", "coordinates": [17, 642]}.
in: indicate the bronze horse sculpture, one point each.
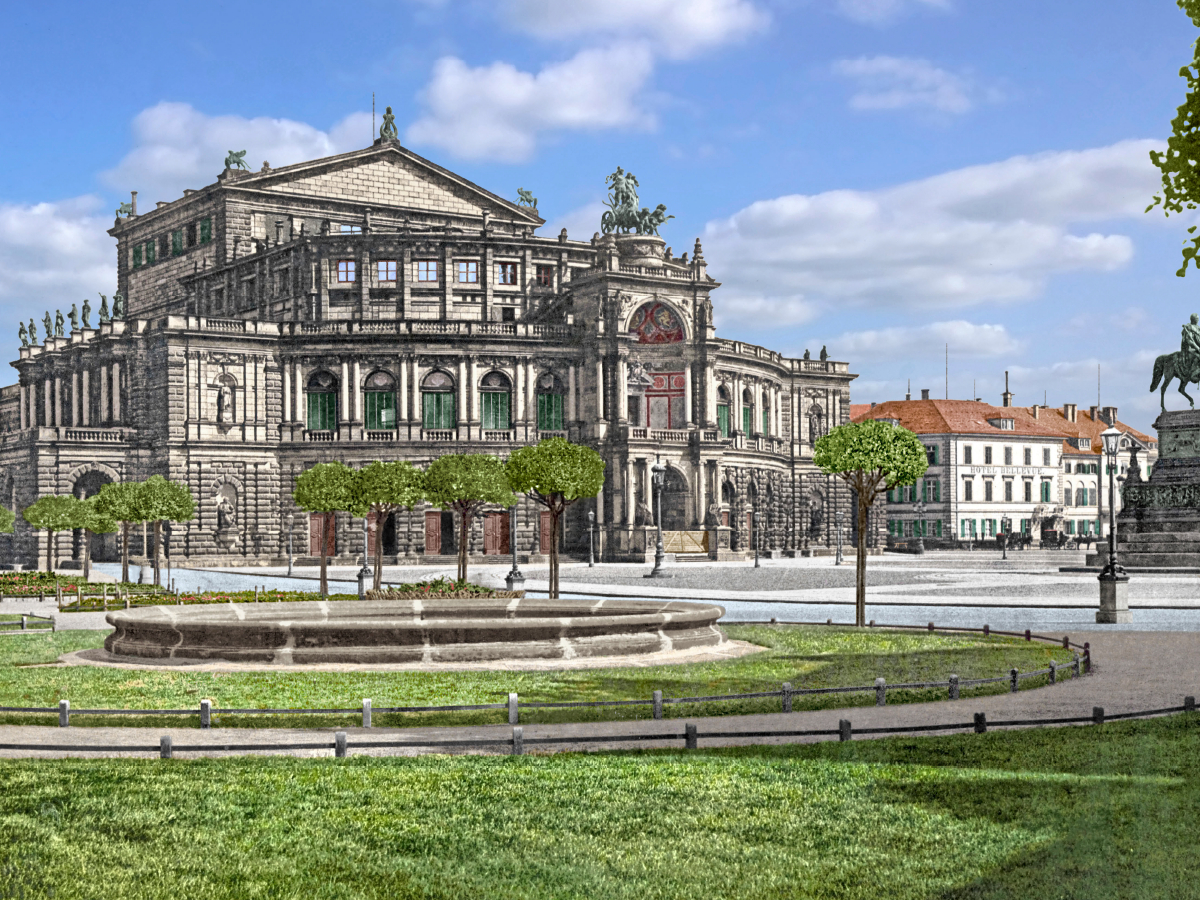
{"type": "Point", "coordinates": [1170, 366]}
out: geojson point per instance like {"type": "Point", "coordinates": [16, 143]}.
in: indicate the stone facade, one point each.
{"type": "Point", "coordinates": [373, 305]}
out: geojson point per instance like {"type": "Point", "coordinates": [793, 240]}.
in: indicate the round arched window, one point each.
{"type": "Point", "coordinates": [550, 393]}
{"type": "Point", "coordinates": [322, 401]}
{"type": "Point", "coordinates": [437, 401]}
{"type": "Point", "coordinates": [380, 401]}
{"type": "Point", "coordinates": [495, 400]}
{"type": "Point", "coordinates": [723, 411]}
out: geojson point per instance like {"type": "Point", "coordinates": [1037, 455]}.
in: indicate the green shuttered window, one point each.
{"type": "Point", "coordinates": [437, 409]}
{"type": "Point", "coordinates": [494, 407]}
{"type": "Point", "coordinates": [322, 411]}
{"type": "Point", "coordinates": [550, 412]}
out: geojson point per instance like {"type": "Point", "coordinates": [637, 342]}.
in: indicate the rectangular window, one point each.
{"type": "Point", "coordinates": [987, 490]}
{"type": "Point", "coordinates": [164, 245]}
{"type": "Point", "coordinates": [150, 245]}
{"type": "Point", "coordinates": [968, 490]}
{"type": "Point", "coordinates": [1008, 456]}
{"type": "Point", "coordinates": [747, 418]}
{"type": "Point", "coordinates": [381, 410]}
{"type": "Point", "coordinates": [190, 233]}
{"type": "Point", "coordinates": [1045, 492]}
{"type": "Point", "coordinates": [494, 406]}
{"type": "Point", "coordinates": [722, 419]}
{"type": "Point", "coordinates": [385, 270]}
{"type": "Point", "coordinates": [468, 271]}
{"type": "Point", "coordinates": [1028, 456]}
{"type": "Point", "coordinates": [1028, 491]}
{"type": "Point", "coordinates": [437, 409]}
{"type": "Point", "coordinates": [346, 271]}
{"type": "Point", "coordinates": [137, 256]}
{"type": "Point", "coordinates": [322, 411]}
{"type": "Point", "coordinates": [205, 230]}
{"type": "Point", "coordinates": [1071, 526]}
{"type": "Point", "coordinates": [506, 273]}
{"type": "Point", "coordinates": [987, 456]}
{"type": "Point", "coordinates": [967, 455]}
{"type": "Point", "coordinates": [350, 229]}
{"type": "Point", "coordinates": [177, 242]}
{"type": "Point", "coordinates": [937, 527]}
{"type": "Point", "coordinates": [931, 454]}
{"type": "Point", "coordinates": [1091, 496]}
{"type": "Point", "coordinates": [427, 270]}
{"type": "Point", "coordinates": [1045, 456]}
{"type": "Point", "coordinates": [545, 276]}
{"type": "Point", "coordinates": [1008, 492]}
{"type": "Point", "coordinates": [766, 417]}
{"type": "Point", "coordinates": [550, 412]}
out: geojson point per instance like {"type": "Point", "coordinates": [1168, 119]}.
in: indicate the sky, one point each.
{"type": "Point", "coordinates": [881, 177]}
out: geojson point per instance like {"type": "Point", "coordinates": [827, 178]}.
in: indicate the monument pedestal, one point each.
{"type": "Point", "coordinates": [1114, 600]}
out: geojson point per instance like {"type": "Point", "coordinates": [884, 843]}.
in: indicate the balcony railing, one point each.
{"type": "Point", "coordinates": [498, 436]}
{"type": "Point", "coordinates": [381, 435]}
{"type": "Point", "coordinates": [415, 326]}
{"type": "Point", "coordinates": [438, 434]}
{"type": "Point", "coordinates": [319, 436]}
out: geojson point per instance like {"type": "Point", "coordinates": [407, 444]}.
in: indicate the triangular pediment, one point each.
{"type": "Point", "coordinates": [386, 176]}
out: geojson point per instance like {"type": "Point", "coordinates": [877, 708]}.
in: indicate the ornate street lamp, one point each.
{"type": "Point", "coordinates": [838, 519]}
{"type": "Point", "coordinates": [1005, 525]}
{"type": "Point", "coordinates": [658, 476]}
{"type": "Point", "coordinates": [291, 520]}
{"type": "Point", "coordinates": [1114, 583]}
{"type": "Point", "coordinates": [515, 580]}
{"type": "Point", "coordinates": [757, 536]}
{"type": "Point", "coordinates": [591, 542]}
{"type": "Point", "coordinates": [921, 526]}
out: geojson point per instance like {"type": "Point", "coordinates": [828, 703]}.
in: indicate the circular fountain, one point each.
{"type": "Point", "coordinates": [412, 631]}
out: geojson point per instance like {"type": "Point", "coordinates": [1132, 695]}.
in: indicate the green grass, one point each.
{"type": "Point", "coordinates": [805, 656]}
{"type": "Point", "coordinates": [1094, 813]}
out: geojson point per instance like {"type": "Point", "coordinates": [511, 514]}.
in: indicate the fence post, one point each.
{"type": "Point", "coordinates": [1087, 658]}
{"type": "Point", "coordinates": [1012, 680]}
{"type": "Point", "coordinates": [980, 723]}
{"type": "Point", "coordinates": [518, 739]}
{"type": "Point", "coordinates": [1028, 636]}
{"type": "Point", "coordinates": [986, 630]}
{"type": "Point", "coordinates": [164, 747]}
{"type": "Point", "coordinates": [366, 712]}
{"type": "Point", "coordinates": [931, 626]}
{"type": "Point", "coordinates": [1097, 715]}
{"type": "Point", "coordinates": [880, 692]}
{"type": "Point", "coordinates": [1189, 704]}
{"type": "Point", "coordinates": [205, 713]}
{"type": "Point", "coordinates": [871, 624]}
{"type": "Point", "coordinates": [787, 696]}
{"type": "Point", "coordinates": [512, 709]}
{"type": "Point", "coordinates": [689, 736]}
{"type": "Point", "coordinates": [339, 744]}
{"type": "Point", "coordinates": [844, 731]}
{"type": "Point", "coordinates": [1066, 643]}
{"type": "Point", "coordinates": [127, 602]}
{"type": "Point", "coordinates": [64, 713]}
{"type": "Point", "coordinates": [953, 687]}
{"type": "Point", "coordinates": [1075, 666]}
{"type": "Point", "coordinates": [658, 704]}
{"type": "Point", "coordinates": [1053, 672]}
{"type": "Point", "coordinates": [23, 620]}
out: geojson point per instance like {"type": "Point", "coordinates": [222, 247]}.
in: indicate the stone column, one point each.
{"type": "Point", "coordinates": [358, 393]}
{"type": "Point", "coordinates": [105, 415]}
{"type": "Point", "coordinates": [116, 392]}
{"type": "Point", "coordinates": [472, 392]}
{"type": "Point", "coordinates": [530, 392]}
{"type": "Point", "coordinates": [299, 413]}
{"type": "Point", "coordinates": [288, 409]}
{"type": "Point", "coordinates": [415, 387]}
{"type": "Point", "coordinates": [710, 395]}
{"type": "Point", "coordinates": [700, 506]}
{"type": "Point", "coordinates": [570, 393]}
{"type": "Point", "coordinates": [687, 394]}
{"type": "Point", "coordinates": [85, 399]}
{"type": "Point", "coordinates": [58, 404]}
{"type": "Point", "coordinates": [647, 488]}
{"type": "Point", "coordinates": [47, 402]}
{"type": "Point", "coordinates": [518, 392]}
{"type": "Point", "coordinates": [402, 412]}
{"type": "Point", "coordinates": [630, 499]}
{"type": "Point", "coordinates": [735, 405]}
{"type": "Point", "coordinates": [622, 391]}
{"type": "Point", "coordinates": [75, 398]}
{"type": "Point", "coordinates": [462, 390]}
{"type": "Point", "coordinates": [21, 395]}
{"type": "Point", "coordinates": [345, 412]}
{"type": "Point", "coordinates": [599, 390]}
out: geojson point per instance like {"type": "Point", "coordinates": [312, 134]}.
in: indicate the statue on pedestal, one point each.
{"type": "Point", "coordinates": [32, 332]}
{"type": "Point", "coordinates": [118, 310]}
{"type": "Point", "coordinates": [387, 131]}
{"type": "Point", "coordinates": [23, 335]}
{"type": "Point", "coordinates": [1184, 364]}
{"type": "Point", "coordinates": [103, 309]}
{"type": "Point", "coordinates": [73, 315]}
{"type": "Point", "coordinates": [49, 324]}
{"type": "Point", "coordinates": [87, 313]}
{"type": "Point", "coordinates": [58, 323]}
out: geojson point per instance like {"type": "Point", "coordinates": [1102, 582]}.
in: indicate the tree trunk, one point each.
{"type": "Point", "coordinates": [554, 514]}
{"type": "Point", "coordinates": [325, 517]}
{"type": "Point", "coordinates": [860, 564]}
{"type": "Point", "coordinates": [378, 549]}
{"type": "Point", "coordinates": [464, 530]}
{"type": "Point", "coordinates": [157, 542]}
{"type": "Point", "coordinates": [87, 555]}
{"type": "Point", "coordinates": [124, 552]}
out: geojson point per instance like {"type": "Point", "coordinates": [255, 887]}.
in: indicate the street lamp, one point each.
{"type": "Point", "coordinates": [756, 536]}
{"type": "Point", "coordinates": [591, 543]}
{"type": "Point", "coordinates": [290, 520]}
{"type": "Point", "coordinates": [838, 519]}
{"type": "Point", "coordinates": [167, 550]}
{"type": "Point", "coordinates": [921, 526]}
{"type": "Point", "coordinates": [515, 580]}
{"type": "Point", "coordinates": [658, 475]}
{"type": "Point", "coordinates": [365, 572]}
{"type": "Point", "coordinates": [1005, 525]}
{"type": "Point", "coordinates": [1114, 583]}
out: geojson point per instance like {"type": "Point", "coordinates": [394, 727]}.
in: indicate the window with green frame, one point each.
{"type": "Point", "coordinates": [205, 230]}
{"type": "Point", "coordinates": [723, 419]}
{"type": "Point", "coordinates": [177, 242]}
{"type": "Point", "coordinates": [438, 409]}
{"type": "Point", "coordinates": [322, 411]}
{"type": "Point", "coordinates": [747, 418]}
{"type": "Point", "coordinates": [1045, 492]}
{"type": "Point", "coordinates": [550, 412]}
{"type": "Point", "coordinates": [495, 396]}
{"type": "Point", "coordinates": [766, 416]}
{"type": "Point", "coordinates": [380, 401]}
{"type": "Point", "coordinates": [137, 256]}
{"type": "Point", "coordinates": [150, 245]}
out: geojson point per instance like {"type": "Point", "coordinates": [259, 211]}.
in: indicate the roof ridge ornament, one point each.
{"type": "Point", "coordinates": [387, 131]}
{"type": "Point", "coordinates": [624, 215]}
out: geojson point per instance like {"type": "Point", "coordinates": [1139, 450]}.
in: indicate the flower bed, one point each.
{"type": "Point", "coordinates": [31, 584]}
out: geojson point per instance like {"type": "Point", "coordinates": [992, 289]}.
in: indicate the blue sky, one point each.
{"type": "Point", "coordinates": [880, 176]}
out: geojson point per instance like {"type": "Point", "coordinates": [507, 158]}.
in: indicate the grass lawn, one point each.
{"type": "Point", "coordinates": [812, 656]}
{"type": "Point", "coordinates": [1095, 813]}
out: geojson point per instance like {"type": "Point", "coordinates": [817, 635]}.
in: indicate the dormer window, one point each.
{"type": "Point", "coordinates": [1003, 424]}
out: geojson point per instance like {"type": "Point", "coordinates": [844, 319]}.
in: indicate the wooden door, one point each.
{"type": "Point", "coordinates": [545, 531]}
{"type": "Point", "coordinates": [433, 533]}
{"type": "Point", "coordinates": [495, 534]}
{"type": "Point", "coordinates": [317, 524]}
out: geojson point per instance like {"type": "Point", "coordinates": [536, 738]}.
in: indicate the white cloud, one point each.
{"type": "Point", "coordinates": [992, 232]}
{"type": "Point", "coordinates": [498, 112]}
{"type": "Point", "coordinates": [748, 312]}
{"type": "Point", "coordinates": [878, 12]}
{"type": "Point", "coordinates": [581, 223]}
{"type": "Point", "coordinates": [53, 255]}
{"type": "Point", "coordinates": [892, 82]}
{"type": "Point", "coordinates": [914, 342]}
{"type": "Point", "coordinates": [177, 146]}
{"type": "Point", "coordinates": [679, 28]}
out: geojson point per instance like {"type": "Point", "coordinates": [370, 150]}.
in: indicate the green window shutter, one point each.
{"type": "Point", "coordinates": [937, 491]}
{"type": "Point", "coordinates": [766, 417]}
{"type": "Point", "coordinates": [322, 411]}
{"type": "Point", "coordinates": [150, 251]}
{"type": "Point", "coordinates": [495, 411]}
{"type": "Point", "coordinates": [205, 230]}
{"type": "Point", "coordinates": [381, 410]}
{"type": "Point", "coordinates": [137, 256]}
{"type": "Point", "coordinates": [747, 418]}
{"type": "Point", "coordinates": [437, 409]}
{"type": "Point", "coordinates": [723, 419]}
{"type": "Point", "coordinates": [935, 458]}
{"type": "Point", "coordinates": [924, 491]}
{"type": "Point", "coordinates": [176, 243]}
{"type": "Point", "coordinates": [550, 412]}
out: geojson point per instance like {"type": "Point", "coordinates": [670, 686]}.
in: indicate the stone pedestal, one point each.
{"type": "Point", "coordinates": [1114, 600]}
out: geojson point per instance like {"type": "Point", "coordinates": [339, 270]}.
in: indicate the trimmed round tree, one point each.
{"type": "Point", "coordinates": [94, 522]}
{"type": "Point", "coordinates": [54, 513]}
{"type": "Point", "coordinates": [161, 500]}
{"type": "Point", "coordinates": [385, 488]}
{"type": "Point", "coordinates": [119, 502]}
{"type": "Point", "coordinates": [556, 473]}
{"type": "Point", "coordinates": [326, 488]}
{"type": "Point", "coordinates": [871, 457]}
{"type": "Point", "coordinates": [466, 483]}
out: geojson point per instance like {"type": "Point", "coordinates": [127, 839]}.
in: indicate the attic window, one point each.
{"type": "Point", "coordinates": [895, 423]}
{"type": "Point", "coordinates": [1082, 443]}
{"type": "Point", "coordinates": [1002, 424]}
{"type": "Point", "coordinates": [350, 229]}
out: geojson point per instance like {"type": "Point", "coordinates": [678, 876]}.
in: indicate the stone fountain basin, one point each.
{"type": "Point", "coordinates": [412, 631]}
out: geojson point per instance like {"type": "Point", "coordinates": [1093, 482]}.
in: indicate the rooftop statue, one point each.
{"type": "Point", "coordinates": [73, 315]}
{"type": "Point", "coordinates": [23, 335]}
{"type": "Point", "coordinates": [49, 323]}
{"type": "Point", "coordinates": [526, 198]}
{"type": "Point", "coordinates": [387, 130]}
{"type": "Point", "coordinates": [87, 313]}
{"type": "Point", "coordinates": [103, 309]}
{"type": "Point", "coordinates": [824, 353]}
{"type": "Point", "coordinates": [236, 160]}
{"type": "Point", "coordinates": [58, 323]}
{"type": "Point", "coordinates": [1183, 364]}
{"type": "Point", "coordinates": [623, 215]}
{"type": "Point", "coordinates": [118, 311]}
{"type": "Point", "coordinates": [32, 332]}
{"type": "Point", "coordinates": [125, 209]}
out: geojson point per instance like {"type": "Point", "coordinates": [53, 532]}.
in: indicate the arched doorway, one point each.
{"type": "Point", "coordinates": [104, 546]}
{"type": "Point", "coordinates": [676, 500]}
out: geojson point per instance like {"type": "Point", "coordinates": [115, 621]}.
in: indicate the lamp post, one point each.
{"type": "Point", "coordinates": [591, 542]}
{"type": "Point", "coordinates": [365, 572]}
{"type": "Point", "coordinates": [290, 520]}
{"type": "Point", "coordinates": [167, 550]}
{"type": "Point", "coordinates": [515, 580]}
{"type": "Point", "coordinates": [1114, 583]}
{"type": "Point", "coordinates": [921, 527]}
{"type": "Point", "coordinates": [838, 519]}
{"type": "Point", "coordinates": [1005, 525]}
{"type": "Point", "coordinates": [757, 536]}
{"type": "Point", "coordinates": [658, 475]}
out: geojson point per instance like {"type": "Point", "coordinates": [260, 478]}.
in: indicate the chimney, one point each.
{"type": "Point", "coordinates": [908, 393]}
{"type": "Point", "coordinates": [1095, 412]}
{"type": "Point", "coordinates": [1069, 412]}
{"type": "Point", "coordinates": [924, 393]}
{"type": "Point", "coordinates": [1110, 415]}
{"type": "Point", "coordinates": [872, 404]}
{"type": "Point", "coordinates": [133, 202]}
{"type": "Point", "coordinates": [1006, 397]}
{"type": "Point", "coordinates": [1033, 410]}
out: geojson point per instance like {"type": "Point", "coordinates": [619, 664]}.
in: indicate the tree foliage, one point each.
{"type": "Point", "coordinates": [466, 483]}
{"type": "Point", "coordinates": [119, 501]}
{"type": "Point", "coordinates": [384, 488]}
{"type": "Point", "coordinates": [327, 488]}
{"type": "Point", "coordinates": [160, 500]}
{"type": "Point", "coordinates": [556, 473]}
{"type": "Point", "coordinates": [870, 457]}
{"type": "Point", "coordinates": [8, 520]}
{"type": "Point", "coordinates": [1180, 164]}
{"type": "Point", "coordinates": [53, 513]}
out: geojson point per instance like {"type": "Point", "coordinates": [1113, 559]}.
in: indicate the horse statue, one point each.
{"type": "Point", "coordinates": [526, 198]}
{"type": "Point", "coordinates": [648, 221]}
{"type": "Point", "coordinates": [125, 209]}
{"type": "Point", "coordinates": [236, 160]}
{"type": "Point", "coordinates": [1170, 366]}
